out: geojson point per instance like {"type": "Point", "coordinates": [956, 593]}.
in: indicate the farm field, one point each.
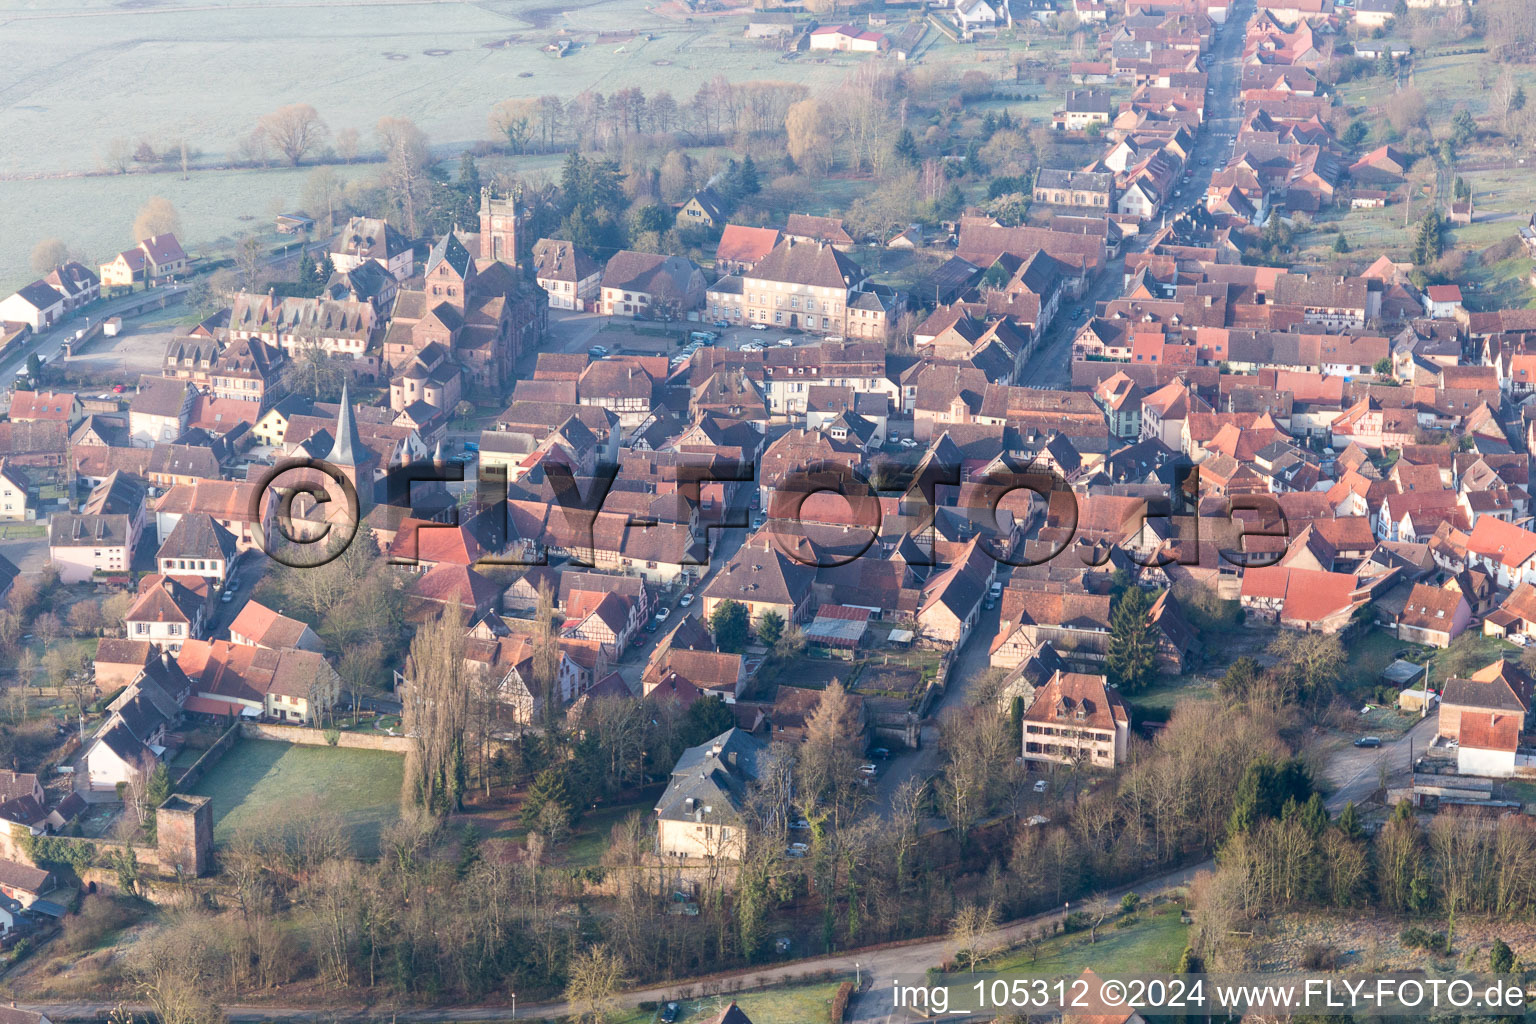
{"type": "Point", "coordinates": [354, 61]}
{"type": "Point", "coordinates": [262, 780]}
{"type": "Point", "coordinates": [94, 215]}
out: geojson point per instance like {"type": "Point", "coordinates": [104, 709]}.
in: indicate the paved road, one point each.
{"type": "Point", "coordinates": [47, 346]}
{"type": "Point", "coordinates": [1356, 772]}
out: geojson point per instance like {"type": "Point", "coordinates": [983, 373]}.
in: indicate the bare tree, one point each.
{"type": "Point", "coordinates": [1098, 909]}
{"type": "Point", "coordinates": [156, 217]}
{"type": "Point", "coordinates": [970, 929]}
{"type": "Point", "coordinates": [596, 976]}
{"type": "Point", "coordinates": [407, 157]}
{"type": "Point", "coordinates": [47, 254]}
{"type": "Point", "coordinates": [294, 129]}
{"type": "Point", "coordinates": [118, 155]}
{"type": "Point", "coordinates": [436, 711]}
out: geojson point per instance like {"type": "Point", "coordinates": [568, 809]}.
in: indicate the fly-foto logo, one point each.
{"type": "Point", "coordinates": [310, 511]}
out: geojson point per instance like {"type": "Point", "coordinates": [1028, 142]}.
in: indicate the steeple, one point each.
{"type": "Point", "coordinates": [349, 446]}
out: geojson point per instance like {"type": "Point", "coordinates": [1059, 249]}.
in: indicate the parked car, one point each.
{"type": "Point", "coordinates": [685, 601]}
{"type": "Point", "coordinates": [796, 850]}
{"type": "Point", "coordinates": [652, 626]}
{"type": "Point", "coordinates": [800, 825]}
{"type": "Point", "coordinates": [669, 1013]}
{"type": "Point", "coordinates": [662, 614]}
{"type": "Point", "coordinates": [868, 769]}
{"type": "Point", "coordinates": [759, 327]}
{"type": "Point", "coordinates": [1370, 742]}
{"type": "Point", "coordinates": [996, 590]}
{"type": "Point", "coordinates": [786, 343]}
{"type": "Point", "coordinates": [722, 323]}
{"type": "Point", "coordinates": [597, 351]}
{"type": "Point", "coordinates": [638, 641]}
{"type": "Point", "coordinates": [908, 442]}
{"type": "Point", "coordinates": [1041, 785]}
{"type": "Point", "coordinates": [880, 753]}
{"type": "Point", "coordinates": [228, 597]}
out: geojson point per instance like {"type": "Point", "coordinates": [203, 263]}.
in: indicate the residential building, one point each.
{"type": "Point", "coordinates": [572, 278]}
{"type": "Point", "coordinates": [699, 815]}
{"type": "Point", "coordinates": [651, 286]}
{"type": "Point", "coordinates": [153, 259]}
{"type": "Point", "coordinates": [1079, 720]}
{"type": "Point", "coordinates": [1094, 190]}
{"type": "Point", "coordinates": [372, 240]}
{"type": "Point", "coordinates": [38, 305]}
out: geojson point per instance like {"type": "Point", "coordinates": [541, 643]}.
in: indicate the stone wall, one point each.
{"type": "Point", "coordinates": [316, 737]}
{"type": "Point", "coordinates": [193, 775]}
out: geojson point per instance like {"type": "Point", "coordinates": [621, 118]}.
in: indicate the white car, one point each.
{"type": "Point", "coordinates": [759, 327]}
{"type": "Point", "coordinates": [685, 601]}
{"type": "Point", "coordinates": [1040, 785]}
{"type": "Point", "coordinates": [907, 442]}
{"type": "Point", "coordinates": [867, 769]}
{"type": "Point", "coordinates": [662, 613]}
{"type": "Point", "coordinates": [786, 343]}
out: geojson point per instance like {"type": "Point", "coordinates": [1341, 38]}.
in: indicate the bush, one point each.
{"type": "Point", "coordinates": [839, 1007]}
{"type": "Point", "coordinates": [1414, 937]}
{"type": "Point", "coordinates": [1317, 956]}
{"type": "Point", "coordinates": [99, 918]}
{"type": "Point", "coordinates": [1076, 921]}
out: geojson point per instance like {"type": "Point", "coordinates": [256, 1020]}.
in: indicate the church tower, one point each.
{"type": "Point", "coordinates": [498, 227]}
{"type": "Point", "coordinates": [350, 455]}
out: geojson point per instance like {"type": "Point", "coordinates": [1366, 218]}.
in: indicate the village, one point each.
{"type": "Point", "coordinates": [1022, 511]}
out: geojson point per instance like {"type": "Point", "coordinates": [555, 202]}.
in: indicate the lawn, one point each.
{"type": "Point", "coordinates": [1369, 652]}
{"type": "Point", "coordinates": [1150, 944]}
{"type": "Point", "coordinates": [260, 779]}
{"type": "Point", "coordinates": [796, 1004]}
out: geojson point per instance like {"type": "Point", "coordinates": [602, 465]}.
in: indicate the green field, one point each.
{"type": "Point", "coordinates": [259, 779]}
{"type": "Point", "coordinates": [799, 1004]}
{"type": "Point", "coordinates": [1149, 944]}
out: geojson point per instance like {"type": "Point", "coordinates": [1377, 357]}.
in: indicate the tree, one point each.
{"type": "Point", "coordinates": [906, 148]}
{"type": "Point", "coordinates": [806, 137]}
{"type": "Point", "coordinates": [156, 217]}
{"type": "Point", "coordinates": [513, 120]}
{"type": "Point", "coordinates": [546, 654]}
{"type": "Point", "coordinates": [728, 622]}
{"type": "Point", "coordinates": [249, 261]}
{"type": "Point", "coordinates": [1340, 243]}
{"type": "Point", "coordinates": [596, 977]}
{"type": "Point", "coordinates": [1263, 790]}
{"type": "Point", "coordinates": [1501, 959]}
{"type": "Point", "coordinates": [294, 129]}
{"type": "Point", "coordinates": [435, 712]}
{"type": "Point", "coordinates": [324, 197]}
{"type": "Point", "coordinates": [1463, 128]}
{"type": "Point", "coordinates": [1132, 654]}
{"type": "Point", "coordinates": [769, 627]}
{"type": "Point", "coordinates": [747, 181]}
{"type": "Point", "coordinates": [47, 254]}
{"type": "Point", "coordinates": [969, 928]}
{"type": "Point", "coordinates": [548, 803]}
{"type": "Point", "coordinates": [156, 792]}
{"type": "Point", "coordinates": [1309, 664]}
{"type": "Point", "coordinates": [1098, 910]}
{"type": "Point", "coordinates": [407, 158]}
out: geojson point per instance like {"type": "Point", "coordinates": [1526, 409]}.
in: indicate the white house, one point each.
{"type": "Point", "coordinates": [38, 304]}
